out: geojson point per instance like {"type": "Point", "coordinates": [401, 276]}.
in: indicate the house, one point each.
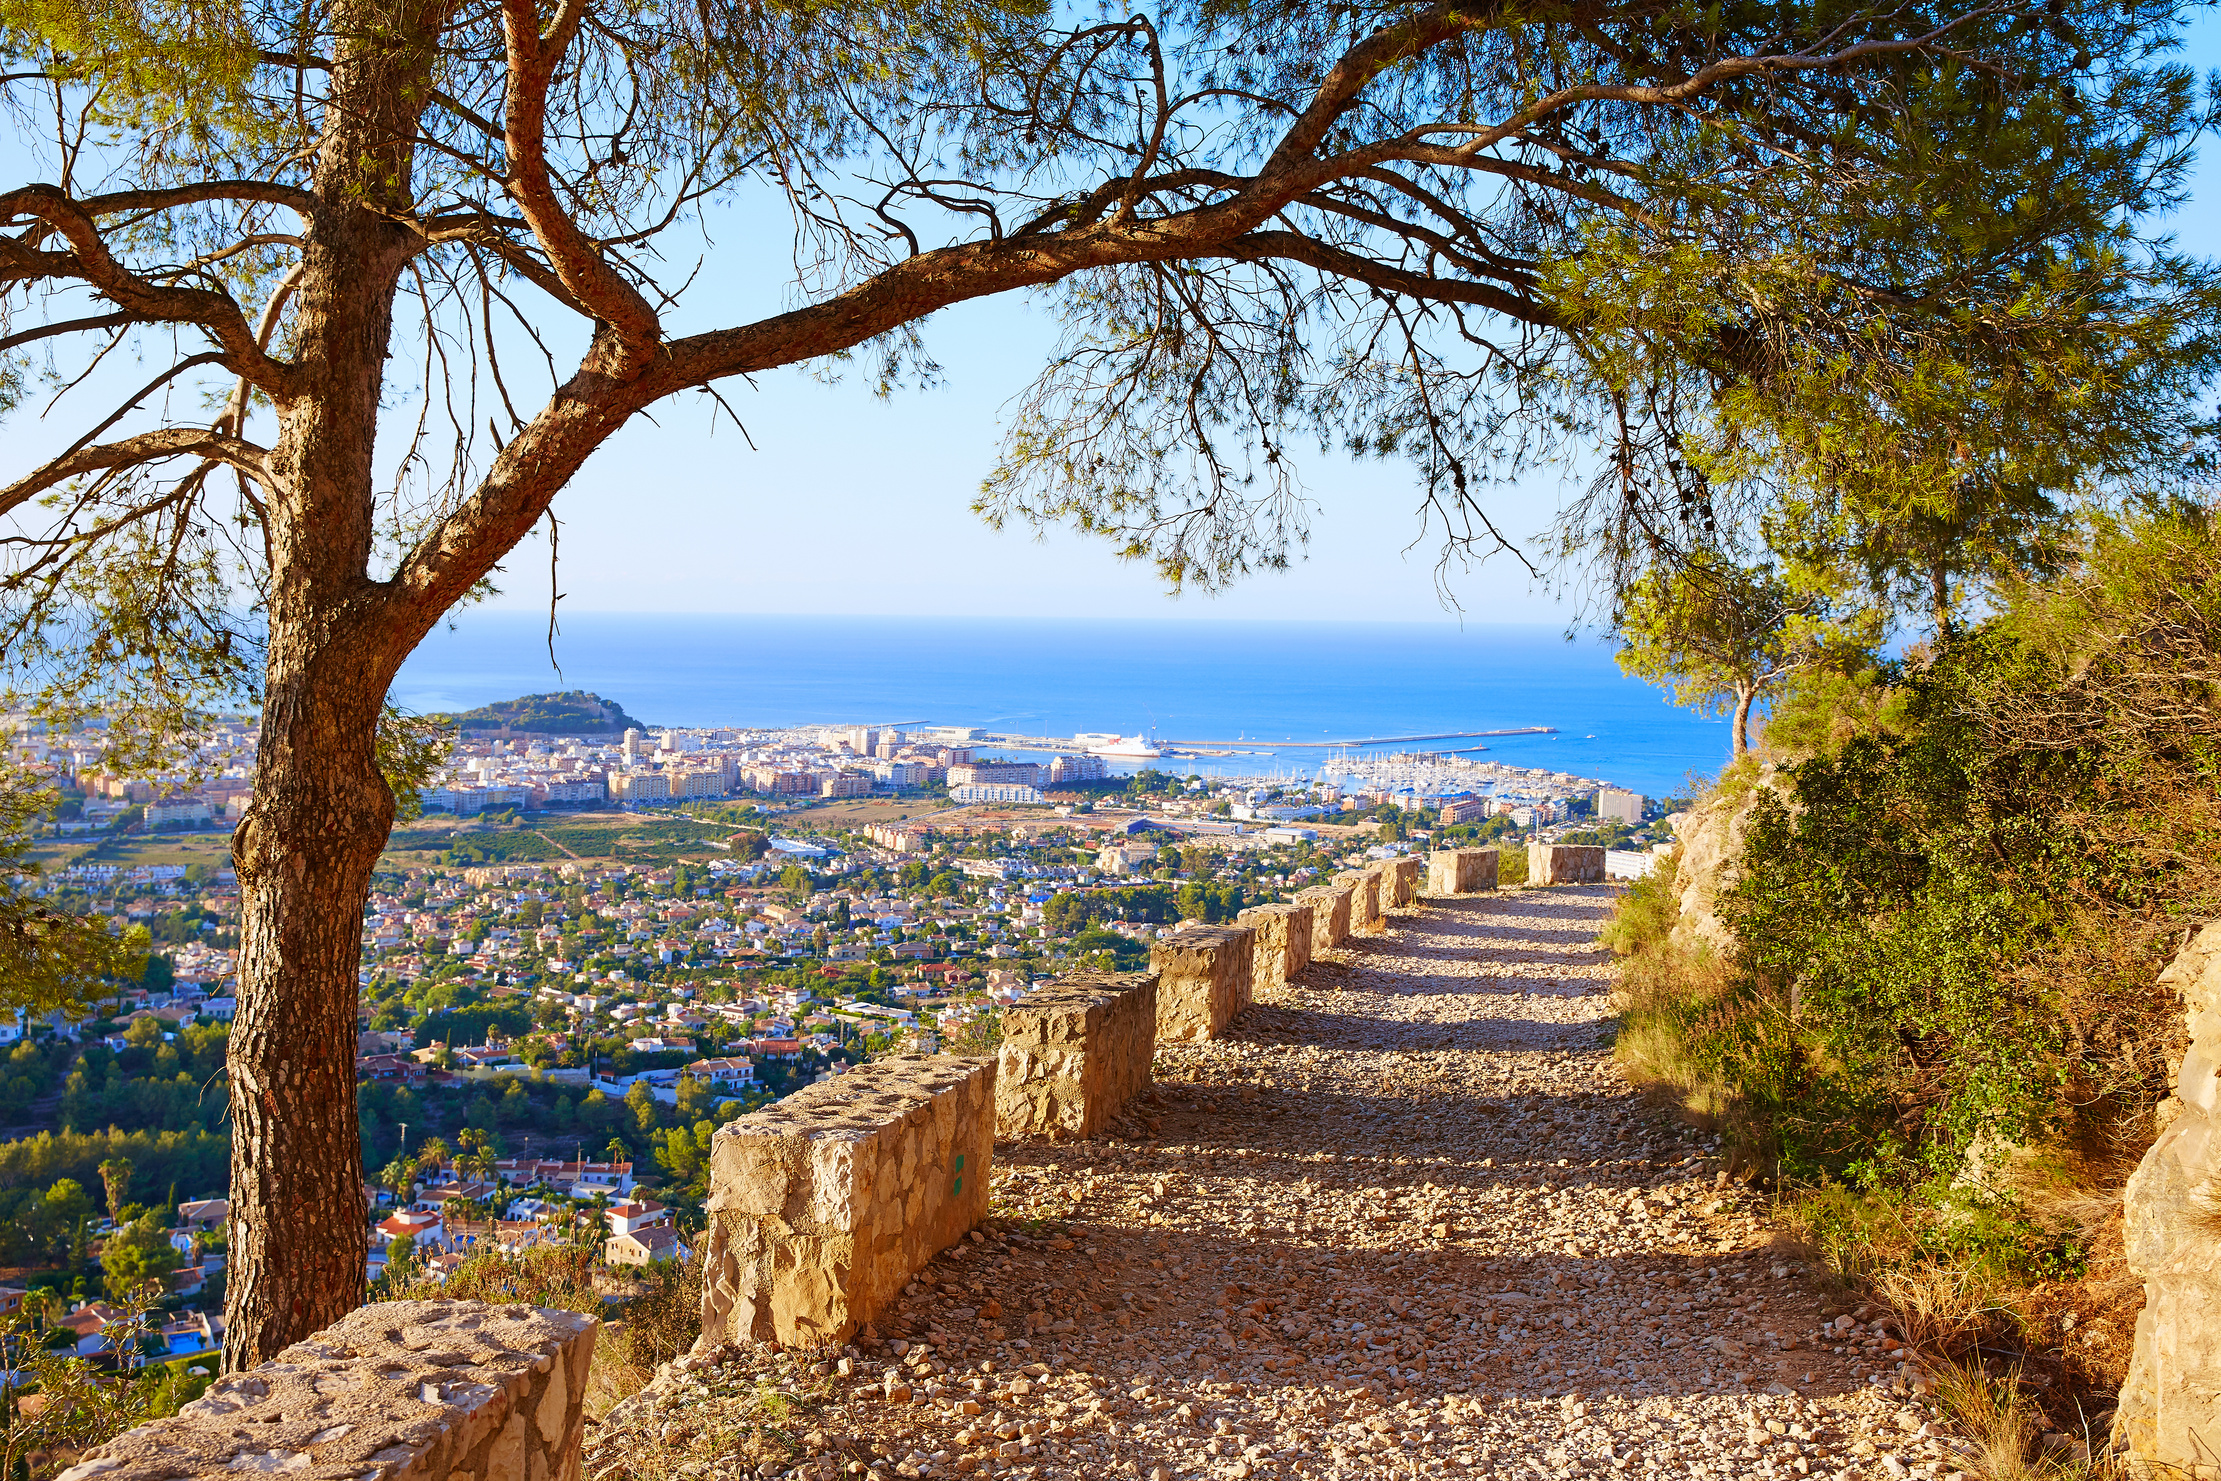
{"type": "Point", "coordinates": [724, 1072]}
{"type": "Point", "coordinates": [636, 1214]}
{"type": "Point", "coordinates": [578, 1179]}
{"type": "Point", "coordinates": [190, 1332]}
{"type": "Point", "coordinates": [656, 1242]}
{"type": "Point", "coordinates": [186, 1283]}
{"type": "Point", "coordinates": [11, 1300]}
{"type": "Point", "coordinates": [776, 1048]}
{"type": "Point", "coordinates": [91, 1322]}
{"type": "Point", "coordinates": [426, 1229]}
{"type": "Point", "coordinates": [204, 1214]}
{"type": "Point", "coordinates": [389, 1067]}
{"type": "Point", "coordinates": [454, 1190]}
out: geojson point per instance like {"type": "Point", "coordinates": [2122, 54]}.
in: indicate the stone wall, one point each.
{"type": "Point", "coordinates": [823, 1205]}
{"type": "Point", "coordinates": [1283, 942]}
{"type": "Point", "coordinates": [2169, 1417]}
{"type": "Point", "coordinates": [1399, 882]}
{"type": "Point", "coordinates": [1074, 1052]}
{"type": "Point", "coordinates": [1565, 863]}
{"type": "Point", "coordinates": [423, 1390]}
{"type": "Point", "coordinates": [1203, 979]}
{"type": "Point", "coordinates": [1461, 871]}
{"type": "Point", "coordinates": [1365, 918]}
{"type": "Point", "coordinates": [1330, 915]}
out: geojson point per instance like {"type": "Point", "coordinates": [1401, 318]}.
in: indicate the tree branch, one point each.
{"type": "Point", "coordinates": [131, 452]}
{"type": "Point", "coordinates": [584, 272]}
{"type": "Point", "coordinates": [90, 261]}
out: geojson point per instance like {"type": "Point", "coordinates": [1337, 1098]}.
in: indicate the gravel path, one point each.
{"type": "Point", "coordinates": [1406, 1221]}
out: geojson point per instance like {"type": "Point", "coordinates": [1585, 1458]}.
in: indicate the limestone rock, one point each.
{"type": "Point", "coordinates": [427, 1390]}
{"type": "Point", "coordinates": [1399, 883]}
{"type": "Point", "coordinates": [1073, 1053]}
{"type": "Point", "coordinates": [1365, 916]}
{"type": "Point", "coordinates": [2170, 1407]}
{"type": "Point", "coordinates": [1709, 841]}
{"type": "Point", "coordinates": [823, 1205]}
{"type": "Point", "coordinates": [1461, 871]}
{"type": "Point", "coordinates": [1565, 863]}
{"type": "Point", "coordinates": [1283, 942]}
{"type": "Point", "coordinates": [1330, 915]}
{"type": "Point", "coordinates": [1203, 979]}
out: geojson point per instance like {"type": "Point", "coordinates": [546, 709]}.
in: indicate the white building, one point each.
{"type": "Point", "coordinates": [1613, 805]}
{"type": "Point", "coordinates": [1016, 792]}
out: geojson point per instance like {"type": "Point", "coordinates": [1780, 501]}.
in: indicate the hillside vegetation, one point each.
{"type": "Point", "coordinates": [572, 712]}
{"type": "Point", "coordinates": [1934, 1022]}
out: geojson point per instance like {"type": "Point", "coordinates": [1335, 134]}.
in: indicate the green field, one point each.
{"type": "Point", "coordinates": [547, 838]}
{"type": "Point", "coordinates": [212, 848]}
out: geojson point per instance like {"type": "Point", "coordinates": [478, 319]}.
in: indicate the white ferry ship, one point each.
{"type": "Point", "coordinates": [1134, 747]}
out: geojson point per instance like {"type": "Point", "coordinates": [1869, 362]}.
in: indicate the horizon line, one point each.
{"type": "Point", "coordinates": [540, 615]}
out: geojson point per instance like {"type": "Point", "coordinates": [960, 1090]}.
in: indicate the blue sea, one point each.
{"type": "Point", "coordinates": [1260, 683]}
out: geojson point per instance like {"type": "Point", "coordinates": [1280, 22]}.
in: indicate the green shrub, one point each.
{"type": "Point", "coordinates": [1939, 1017]}
{"type": "Point", "coordinates": [1645, 911]}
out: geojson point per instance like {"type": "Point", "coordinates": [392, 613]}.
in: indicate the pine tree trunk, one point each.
{"type": "Point", "coordinates": [321, 812]}
{"type": "Point", "coordinates": [1742, 738]}
{"type": "Point", "coordinates": [305, 852]}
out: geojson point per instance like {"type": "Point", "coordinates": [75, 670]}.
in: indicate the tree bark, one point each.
{"type": "Point", "coordinates": [321, 812]}
{"type": "Point", "coordinates": [1745, 694]}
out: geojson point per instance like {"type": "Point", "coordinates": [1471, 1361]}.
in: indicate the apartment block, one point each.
{"type": "Point", "coordinates": [1010, 773]}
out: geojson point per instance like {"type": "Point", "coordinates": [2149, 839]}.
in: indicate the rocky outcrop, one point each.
{"type": "Point", "coordinates": [1074, 1053]}
{"type": "Point", "coordinates": [823, 1205]}
{"type": "Point", "coordinates": [1708, 846]}
{"type": "Point", "coordinates": [2169, 1418]}
{"type": "Point", "coordinates": [422, 1390]}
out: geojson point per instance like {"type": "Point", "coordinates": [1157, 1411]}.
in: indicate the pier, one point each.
{"type": "Point", "coordinates": [1380, 740]}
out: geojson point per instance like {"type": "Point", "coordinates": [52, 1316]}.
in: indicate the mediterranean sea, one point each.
{"type": "Point", "coordinates": [1264, 684]}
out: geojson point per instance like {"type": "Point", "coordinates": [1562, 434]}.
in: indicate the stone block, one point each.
{"type": "Point", "coordinates": [1565, 863]}
{"type": "Point", "coordinates": [1073, 1052]}
{"type": "Point", "coordinates": [1330, 915]}
{"type": "Point", "coordinates": [426, 1390]}
{"type": "Point", "coordinates": [1203, 979]}
{"type": "Point", "coordinates": [823, 1205]}
{"type": "Point", "coordinates": [1399, 882]}
{"type": "Point", "coordinates": [1283, 942]}
{"type": "Point", "coordinates": [1364, 901]}
{"type": "Point", "coordinates": [2170, 1406]}
{"type": "Point", "coordinates": [1461, 871]}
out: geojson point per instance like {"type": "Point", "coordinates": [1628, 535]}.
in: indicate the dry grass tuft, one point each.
{"type": "Point", "coordinates": [1940, 1308]}
{"type": "Point", "coordinates": [1996, 1420]}
{"type": "Point", "coordinates": [2007, 1435]}
{"type": "Point", "coordinates": [660, 1317]}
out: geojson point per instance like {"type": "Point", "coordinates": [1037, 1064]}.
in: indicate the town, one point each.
{"type": "Point", "coordinates": [592, 949]}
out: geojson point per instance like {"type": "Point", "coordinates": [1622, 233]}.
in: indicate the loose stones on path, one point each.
{"type": "Point", "coordinates": [1404, 1220]}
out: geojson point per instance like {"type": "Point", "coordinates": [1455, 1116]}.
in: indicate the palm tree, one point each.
{"type": "Point", "coordinates": [397, 1175]}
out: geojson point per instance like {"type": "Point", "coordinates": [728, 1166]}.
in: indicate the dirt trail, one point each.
{"type": "Point", "coordinates": [1407, 1220]}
